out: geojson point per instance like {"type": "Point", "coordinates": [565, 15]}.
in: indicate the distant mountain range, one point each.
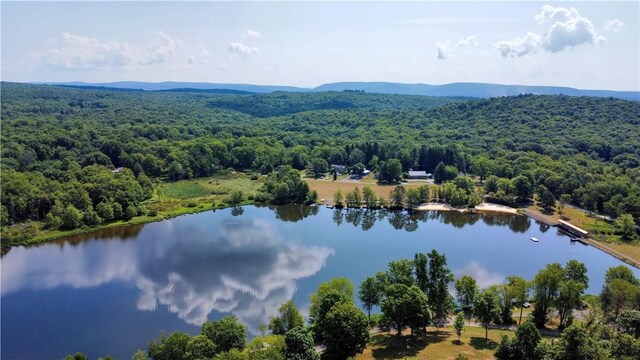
{"type": "Point", "coordinates": [476, 90]}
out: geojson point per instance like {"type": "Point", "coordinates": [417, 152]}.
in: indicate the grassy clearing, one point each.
{"type": "Point", "coordinates": [438, 343]}
{"type": "Point", "coordinates": [210, 187]}
{"type": "Point", "coordinates": [630, 250]}
{"type": "Point", "coordinates": [604, 230]}
{"type": "Point", "coordinates": [326, 186]}
{"type": "Point", "coordinates": [600, 230]}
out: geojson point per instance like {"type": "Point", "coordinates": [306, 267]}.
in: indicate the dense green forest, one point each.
{"type": "Point", "coordinates": [60, 145]}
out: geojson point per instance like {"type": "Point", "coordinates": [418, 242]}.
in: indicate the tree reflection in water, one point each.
{"type": "Point", "coordinates": [293, 212]}
{"type": "Point", "coordinates": [237, 210]}
{"type": "Point", "coordinates": [409, 221]}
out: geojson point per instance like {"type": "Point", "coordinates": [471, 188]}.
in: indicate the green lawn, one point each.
{"type": "Point", "coordinates": [438, 343]}
{"type": "Point", "coordinates": [209, 187]}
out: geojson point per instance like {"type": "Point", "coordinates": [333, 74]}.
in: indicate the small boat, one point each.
{"type": "Point", "coordinates": [534, 239]}
{"type": "Point", "coordinates": [575, 239]}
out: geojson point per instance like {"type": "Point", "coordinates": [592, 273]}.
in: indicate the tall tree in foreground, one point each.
{"type": "Point", "coordinates": [300, 345]}
{"type": "Point", "coordinates": [172, 347]}
{"type": "Point", "coordinates": [349, 332]}
{"type": "Point", "coordinates": [200, 347]}
{"type": "Point", "coordinates": [405, 306]}
{"type": "Point", "coordinates": [520, 291]}
{"type": "Point", "coordinates": [420, 263]}
{"type": "Point", "coordinates": [440, 301]}
{"type": "Point", "coordinates": [341, 285]}
{"type": "Point", "coordinates": [226, 333]}
{"type": "Point", "coordinates": [369, 294]}
{"type": "Point", "coordinates": [289, 318]}
{"type": "Point", "coordinates": [576, 343]}
{"type": "Point", "coordinates": [487, 310]}
{"type": "Point", "coordinates": [466, 290]}
{"type": "Point", "coordinates": [546, 285]}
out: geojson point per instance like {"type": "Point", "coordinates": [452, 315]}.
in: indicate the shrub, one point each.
{"type": "Point", "coordinates": [235, 197]}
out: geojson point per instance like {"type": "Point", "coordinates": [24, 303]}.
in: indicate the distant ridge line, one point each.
{"type": "Point", "coordinates": [458, 89]}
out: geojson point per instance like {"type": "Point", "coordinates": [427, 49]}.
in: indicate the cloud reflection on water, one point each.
{"type": "Point", "coordinates": [484, 278]}
{"type": "Point", "coordinates": [243, 268]}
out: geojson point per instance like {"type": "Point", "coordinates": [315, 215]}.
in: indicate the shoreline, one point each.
{"type": "Point", "coordinates": [114, 225]}
{"type": "Point", "coordinates": [482, 208]}
{"type": "Point", "coordinates": [602, 246]}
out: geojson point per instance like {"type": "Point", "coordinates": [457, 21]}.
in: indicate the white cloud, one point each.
{"type": "Point", "coordinates": [550, 13]}
{"type": "Point", "coordinates": [572, 32]}
{"type": "Point", "coordinates": [75, 52]}
{"type": "Point", "coordinates": [191, 60]}
{"type": "Point", "coordinates": [519, 46]}
{"type": "Point", "coordinates": [614, 25]}
{"type": "Point", "coordinates": [253, 34]}
{"type": "Point", "coordinates": [161, 50]}
{"type": "Point", "coordinates": [241, 49]}
{"type": "Point", "coordinates": [568, 29]}
{"type": "Point", "coordinates": [468, 41]}
{"type": "Point", "coordinates": [445, 49]}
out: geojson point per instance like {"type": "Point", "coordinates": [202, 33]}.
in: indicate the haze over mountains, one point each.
{"type": "Point", "coordinates": [476, 90]}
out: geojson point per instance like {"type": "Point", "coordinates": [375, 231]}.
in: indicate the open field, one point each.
{"type": "Point", "coordinates": [579, 218]}
{"type": "Point", "coordinates": [203, 192]}
{"type": "Point", "coordinates": [326, 186]}
{"type": "Point", "coordinates": [632, 251]}
{"type": "Point", "coordinates": [438, 343]}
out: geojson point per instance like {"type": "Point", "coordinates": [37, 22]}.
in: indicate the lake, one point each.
{"type": "Point", "coordinates": [110, 292]}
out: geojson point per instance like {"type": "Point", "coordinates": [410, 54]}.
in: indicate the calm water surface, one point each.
{"type": "Point", "coordinates": [111, 292]}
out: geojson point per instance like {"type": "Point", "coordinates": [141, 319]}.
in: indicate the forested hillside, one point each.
{"type": "Point", "coordinates": [60, 145]}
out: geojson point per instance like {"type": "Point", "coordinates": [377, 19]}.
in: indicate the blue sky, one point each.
{"type": "Point", "coordinates": [589, 45]}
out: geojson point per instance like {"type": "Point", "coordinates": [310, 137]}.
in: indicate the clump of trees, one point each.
{"type": "Point", "coordinates": [336, 321]}
{"type": "Point", "coordinates": [86, 197]}
{"type": "Point", "coordinates": [559, 288]}
{"type": "Point", "coordinates": [620, 292]}
{"type": "Point", "coordinates": [284, 186]}
{"type": "Point", "coordinates": [411, 293]}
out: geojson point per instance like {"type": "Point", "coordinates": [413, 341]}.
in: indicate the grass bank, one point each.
{"type": "Point", "coordinates": [602, 234]}
{"type": "Point", "coordinates": [438, 343]}
{"type": "Point", "coordinates": [169, 200]}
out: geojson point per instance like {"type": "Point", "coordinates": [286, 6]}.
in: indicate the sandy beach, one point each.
{"type": "Point", "coordinates": [438, 207]}
{"type": "Point", "coordinates": [487, 207]}
{"type": "Point", "coordinates": [484, 207]}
